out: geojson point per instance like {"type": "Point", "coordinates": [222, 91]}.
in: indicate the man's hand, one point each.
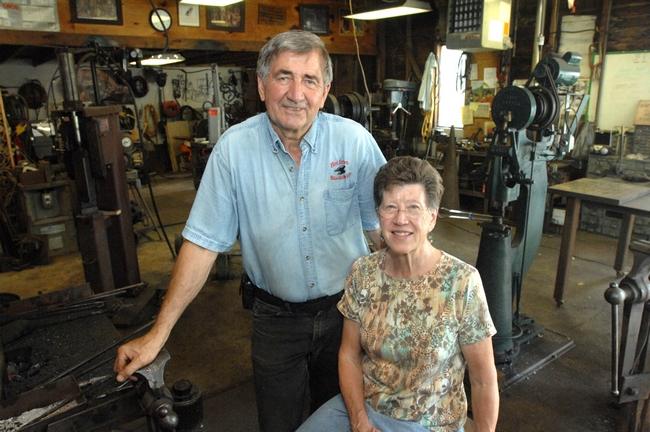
{"type": "Point", "coordinates": [135, 355]}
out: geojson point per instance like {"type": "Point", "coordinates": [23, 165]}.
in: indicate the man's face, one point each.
{"type": "Point", "coordinates": [293, 92]}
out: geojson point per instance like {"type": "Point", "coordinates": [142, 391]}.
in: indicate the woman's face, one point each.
{"type": "Point", "coordinates": [405, 219]}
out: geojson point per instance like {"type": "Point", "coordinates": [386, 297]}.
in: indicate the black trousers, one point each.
{"type": "Point", "coordinates": [295, 356]}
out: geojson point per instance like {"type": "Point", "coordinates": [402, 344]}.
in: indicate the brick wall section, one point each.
{"type": "Point", "coordinates": [597, 219]}
{"type": "Point", "coordinates": [641, 140]}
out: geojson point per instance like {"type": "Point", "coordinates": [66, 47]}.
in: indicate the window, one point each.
{"type": "Point", "coordinates": [452, 88]}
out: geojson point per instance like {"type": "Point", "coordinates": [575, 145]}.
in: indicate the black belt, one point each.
{"type": "Point", "coordinates": [310, 306]}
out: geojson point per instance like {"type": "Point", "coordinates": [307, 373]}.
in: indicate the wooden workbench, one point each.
{"type": "Point", "coordinates": [627, 199]}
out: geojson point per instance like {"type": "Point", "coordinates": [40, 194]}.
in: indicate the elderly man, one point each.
{"type": "Point", "coordinates": [296, 186]}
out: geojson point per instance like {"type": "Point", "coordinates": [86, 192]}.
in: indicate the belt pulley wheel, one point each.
{"type": "Point", "coordinates": [332, 105]}
{"type": "Point", "coordinates": [353, 106]}
{"type": "Point", "coordinates": [547, 108]}
{"type": "Point", "coordinates": [34, 94]}
{"type": "Point", "coordinates": [516, 105]}
{"type": "Point", "coordinates": [525, 107]}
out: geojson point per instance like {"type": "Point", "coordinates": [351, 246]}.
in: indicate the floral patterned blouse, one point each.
{"type": "Point", "coordinates": [412, 331]}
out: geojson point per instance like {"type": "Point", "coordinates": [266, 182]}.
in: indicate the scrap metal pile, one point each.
{"type": "Point", "coordinates": [56, 356]}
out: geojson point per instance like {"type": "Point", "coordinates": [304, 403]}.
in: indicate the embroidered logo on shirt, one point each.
{"type": "Point", "coordinates": [340, 169]}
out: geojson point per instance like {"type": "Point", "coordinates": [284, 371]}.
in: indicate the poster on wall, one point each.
{"type": "Point", "coordinates": [96, 12]}
{"type": "Point", "coordinates": [228, 18]}
{"type": "Point", "coordinates": [40, 15]}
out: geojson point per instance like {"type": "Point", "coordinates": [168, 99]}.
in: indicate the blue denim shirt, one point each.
{"type": "Point", "coordinates": [300, 227]}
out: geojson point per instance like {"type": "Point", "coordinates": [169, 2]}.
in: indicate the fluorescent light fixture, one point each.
{"type": "Point", "coordinates": [210, 2]}
{"type": "Point", "coordinates": [161, 59]}
{"type": "Point", "coordinates": [389, 9]}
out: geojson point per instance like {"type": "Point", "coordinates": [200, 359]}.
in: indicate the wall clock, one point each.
{"type": "Point", "coordinates": [160, 19]}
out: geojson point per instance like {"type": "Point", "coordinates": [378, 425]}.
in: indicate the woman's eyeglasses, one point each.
{"type": "Point", "coordinates": [412, 211]}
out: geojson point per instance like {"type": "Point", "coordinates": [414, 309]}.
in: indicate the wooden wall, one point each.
{"type": "Point", "coordinates": [629, 23]}
{"type": "Point", "coordinates": [135, 31]}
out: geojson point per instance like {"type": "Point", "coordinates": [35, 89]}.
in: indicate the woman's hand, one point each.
{"type": "Point", "coordinates": [364, 425]}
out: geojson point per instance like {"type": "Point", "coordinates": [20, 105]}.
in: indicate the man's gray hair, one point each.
{"type": "Point", "coordinates": [295, 41]}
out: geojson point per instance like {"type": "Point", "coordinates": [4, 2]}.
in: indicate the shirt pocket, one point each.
{"type": "Point", "coordinates": [338, 203]}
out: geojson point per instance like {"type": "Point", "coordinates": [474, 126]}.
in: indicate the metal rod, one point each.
{"type": "Point", "coordinates": [93, 72]}
{"type": "Point", "coordinates": [110, 293]}
{"type": "Point", "coordinates": [616, 336]}
{"type": "Point", "coordinates": [445, 213]}
{"type": "Point", "coordinates": [89, 302]}
{"type": "Point", "coordinates": [604, 35]}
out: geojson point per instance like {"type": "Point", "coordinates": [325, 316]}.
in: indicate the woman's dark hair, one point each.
{"type": "Point", "coordinates": [405, 170]}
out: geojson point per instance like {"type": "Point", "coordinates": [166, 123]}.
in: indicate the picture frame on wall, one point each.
{"type": "Point", "coordinates": [188, 15]}
{"type": "Point", "coordinates": [315, 18]}
{"type": "Point", "coordinates": [96, 11]}
{"type": "Point", "coordinates": [226, 18]}
{"type": "Point", "coordinates": [345, 24]}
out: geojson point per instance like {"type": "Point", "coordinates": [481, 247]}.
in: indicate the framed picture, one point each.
{"type": "Point", "coordinates": [315, 18]}
{"type": "Point", "coordinates": [226, 18]}
{"type": "Point", "coordinates": [345, 24]}
{"type": "Point", "coordinates": [96, 11]}
{"type": "Point", "coordinates": [188, 15]}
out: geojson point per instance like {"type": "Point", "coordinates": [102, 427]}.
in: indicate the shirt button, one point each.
{"type": "Point", "coordinates": [307, 258]}
{"type": "Point", "coordinates": [311, 284]}
{"type": "Point", "coordinates": [304, 228]}
{"type": "Point", "coordinates": [302, 199]}
{"type": "Point", "coordinates": [290, 169]}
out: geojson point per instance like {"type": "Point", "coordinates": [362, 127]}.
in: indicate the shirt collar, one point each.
{"type": "Point", "coordinates": [310, 137]}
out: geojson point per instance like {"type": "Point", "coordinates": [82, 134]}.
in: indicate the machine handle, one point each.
{"type": "Point", "coordinates": [446, 213]}
{"type": "Point", "coordinates": [616, 297]}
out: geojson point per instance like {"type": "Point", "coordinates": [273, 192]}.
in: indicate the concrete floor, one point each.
{"type": "Point", "coordinates": [210, 344]}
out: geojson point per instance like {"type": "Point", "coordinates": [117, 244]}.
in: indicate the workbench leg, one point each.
{"type": "Point", "coordinates": [624, 237]}
{"type": "Point", "coordinates": [571, 222]}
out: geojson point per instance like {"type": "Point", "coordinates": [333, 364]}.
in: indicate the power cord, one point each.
{"type": "Point", "coordinates": [363, 72]}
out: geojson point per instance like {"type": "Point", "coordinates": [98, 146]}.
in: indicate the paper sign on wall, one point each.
{"type": "Point", "coordinates": [490, 76]}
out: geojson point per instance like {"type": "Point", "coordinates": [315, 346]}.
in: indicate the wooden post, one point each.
{"type": "Point", "coordinates": [6, 134]}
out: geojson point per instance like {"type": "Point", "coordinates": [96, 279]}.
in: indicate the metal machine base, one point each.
{"type": "Point", "coordinates": [538, 351]}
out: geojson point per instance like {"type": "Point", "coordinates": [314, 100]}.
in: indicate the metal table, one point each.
{"type": "Point", "coordinates": [628, 199]}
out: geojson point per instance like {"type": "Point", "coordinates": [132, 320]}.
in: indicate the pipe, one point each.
{"type": "Point", "coordinates": [553, 36]}
{"type": "Point", "coordinates": [538, 43]}
{"type": "Point", "coordinates": [604, 33]}
{"type": "Point", "coordinates": [69, 79]}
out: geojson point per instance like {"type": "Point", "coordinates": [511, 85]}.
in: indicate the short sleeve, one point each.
{"type": "Point", "coordinates": [349, 304]}
{"type": "Point", "coordinates": [373, 160]}
{"type": "Point", "coordinates": [213, 222]}
{"type": "Point", "coordinates": [476, 322]}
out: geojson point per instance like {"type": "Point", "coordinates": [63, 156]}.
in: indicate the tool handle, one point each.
{"type": "Point", "coordinates": [616, 297]}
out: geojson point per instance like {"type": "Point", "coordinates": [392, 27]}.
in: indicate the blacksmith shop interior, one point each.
{"type": "Point", "coordinates": [536, 113]}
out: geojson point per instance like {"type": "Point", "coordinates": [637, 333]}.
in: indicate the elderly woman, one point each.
{"type": "Point", "coordinates": [415, 317]}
